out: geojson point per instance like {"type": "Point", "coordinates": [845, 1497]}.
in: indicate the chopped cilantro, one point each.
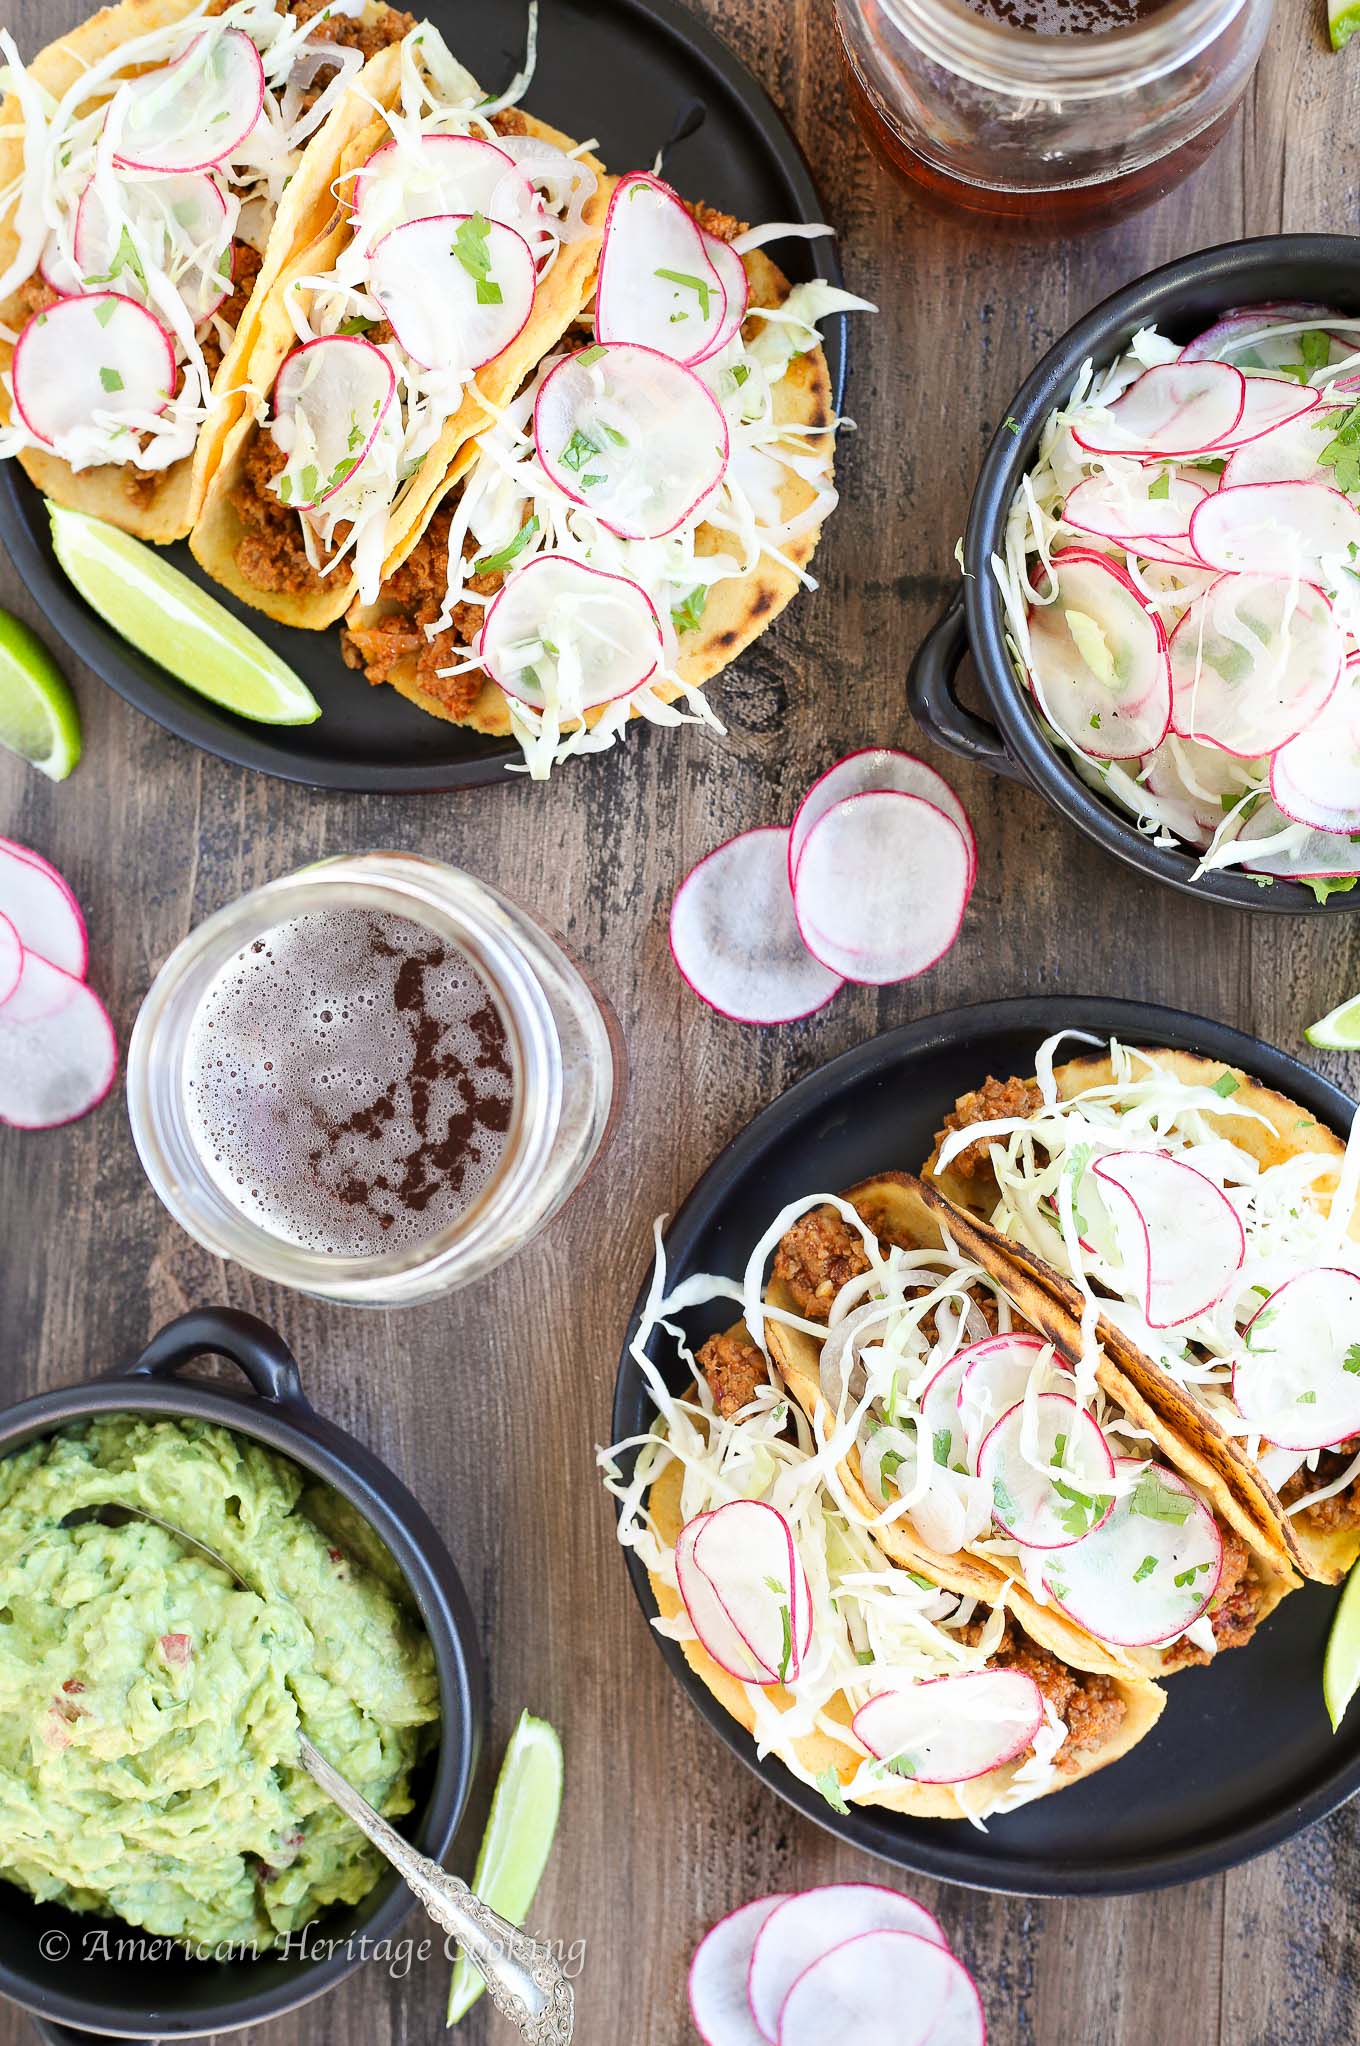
{"type": "Point", "coordinates": [1226, 1084]}
{"type": "Point", "coordinates": [105, 310]}
{"type": "Point", "coordinates": [864, 1656]}
{"type": "Point", "coordinates": [1342, 453]}
{"type": "Point", "coordinates": [1081, 1512]}
{"type": "Point", "coordinates": [940, 1443]}
{"type": "Point", "coordinates": [1162, 487]}
{"type": "Point", "coordinates": [1307, 1399]}
{"type": "Point", "coordinates": [1012, 425]}
{"type": "Point", "coordinates": [1145, 1569]}
{"type": "Point", "coordinates": [829, 1783]}
{"type": "Point", "coordinates": [1187, 1577]}
{"type": "Point", "coordinates": [578, 451]}
{"type": "Point", "coordinates": [496, 564]}
{"type": "Point", "coordinates": [110, 379]}
{"type": "Point", "coordinates": [470, 245]}
{"type": "Point", "coordinates": [923, 1583]}
{"type": "Point", "coordinates": [685, 617]}
{"type": "Point", "coordinates": [702, 290]}
{"type": "Point", "coordinates": [1324, 885]}
{"type": "Point", "coordinates": [900, 1765]}
{"type": "Point", "coordinates": [356, 324]}
{"type": "Point", "coordinates": [1156, 1501]}
{"type": "Point", "coordinates": [739, 373]}
{"type": "Point", "coordinates": [588, 357]}
{"type": "Point", "coordinates": [786, 1650]}
{"type": "Point", "coordinates": [125, 257]}
{"type": "Point", "coordinates": [1351, 1361]}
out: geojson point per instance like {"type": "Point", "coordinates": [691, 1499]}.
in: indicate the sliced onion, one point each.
{"type": "Point", "coordinates": [633, 435]}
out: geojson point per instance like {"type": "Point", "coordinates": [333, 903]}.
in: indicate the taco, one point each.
{"type": "Point", "coordinates": [640, 512]}
{"type": "Point", "coordinates": [865, 1679]}
{"type": "Point", "coordinates": [966, 1428]}
{"type": "Point", "coordinates": [460, 242]}
{"type": "Point", "coordinates": [1210, 1226]}
{"type": "Point", "coordinates": [153, 161]}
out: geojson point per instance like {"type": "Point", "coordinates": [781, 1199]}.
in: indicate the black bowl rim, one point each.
{"type": "Point", "coordinates": [295, 1429]}
{"type": "Point", "coordinates": [1007, 457]}
{"type": "Point", "coordinates": [954, 1861]}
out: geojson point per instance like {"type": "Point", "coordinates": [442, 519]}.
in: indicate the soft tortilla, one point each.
{"type": "Point", "coordinates": [740, 607]}
{"type": "Point", "coordinates": [900, 1209]}
{"type": "Point", "coordinates": [357, 133]}
{"type": "Point", "coordinates": [819, 1751]}
{"type": "Point", "coordinates": [1286, 1132]}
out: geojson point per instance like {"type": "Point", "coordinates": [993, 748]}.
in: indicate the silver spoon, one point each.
{"type": "Point", "coordinates": [523, 1979]}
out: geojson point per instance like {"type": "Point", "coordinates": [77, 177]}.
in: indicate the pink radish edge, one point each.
{"type": "Point", "coordinates": [45, 866]}
{"type": "Point", "coordinates": [963, 821]}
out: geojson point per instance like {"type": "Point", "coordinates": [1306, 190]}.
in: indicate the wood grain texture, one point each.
{"type": "Point", "coordinates": [490, 1405]}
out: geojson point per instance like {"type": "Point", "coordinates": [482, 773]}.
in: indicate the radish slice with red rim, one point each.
{"type": "Point", "coordinates": [11, 959]}
{"type": "Point", "coordinates": [1231, 336]}
{"type": "Point", "coordinates": [39, 903]}
{"type": "Point", "coordinates": [1175, 1227]}
{"type": "Point", "coordinates": [1098, 659]}
{"type": "Point", "coordinates": [1290, 454]}
{"type": "Point", "coordinates": [951, 1729]}
{"type": "Point", "coordinates": [813, 1923]}
{"type": "Point", "coordinates": [178, 222]}
{"type": "Point", "coordinates": [735, 938]}
{"type": "Point", "coordinates": [1202, 781]}
{"type": "Point", "coordinates": [939, 1405]}
{"type": "Point", "coordinates": [1175, 408]}
{"type": "Point", "coordinates": [718, 2002]}
{"type": "Point", "coordinates": [58, 1053]}
{"type": "Point", "coordinates": [657, 285]}
{"type": "Point", "coordinates": [196, 112]}
{"type": "Point", "coordinates": [1150, 1571]}
{"type": "Point", "coordinates": [440, 175]}
{"type": "Point", "coordinates": [873, 769]}
{"type": "Point", "coordinates": [457, 288]}
{"type": "Point", "coordinates": [882, 1989]}
{"type": "Point", "coordinates": [331, 397]}
{"type": "Point", "coordinates": [746, 1551]}
{"type": "Point", "coordinates": [1315, 778]}
{"type": "Point", "coordinates": [1297, 1376]}
{"type": "Point", "coordinates": [1275, 529]}
{"type": "Point", "coordinates": [100, 352]}
{"type": "Point", "coordinates": [1319, 856]}
{"type": "Point", "coordinates": [1120, 504]}
{"type": "Point", "coordinates": [559, 629]}
{"type": "Point", "coordinates": [736, 285]}
{"type": "Point", "coordinates": [1253, 661]}
{"type": "Point", "coordinates": [632, 435]}
{"type": "Point", "coordinates": [1031, 1501]}
{"type": "Point", "coordinates": [994, 1378]}
{"type": "Point", "coordinates": [882, 883]}
{"type": "Point", "coordinates": [1270, 403]}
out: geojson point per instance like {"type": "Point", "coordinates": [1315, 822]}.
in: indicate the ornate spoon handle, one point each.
{"type": "Point", "coordinates": [523, 1979]}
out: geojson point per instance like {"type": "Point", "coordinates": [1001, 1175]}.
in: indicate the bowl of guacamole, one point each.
{"type": "Point", "coordinates": [152, 1805]}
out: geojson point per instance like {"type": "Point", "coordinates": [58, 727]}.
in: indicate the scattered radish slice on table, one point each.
{"type": "Point", "coordinates": [1149, 1571]}
{"type": "Point", "coordinates": [951, 1729]}
{"type": "Point", "coordinates": [1052, 1492]}
{"type": "Point", "coordinates": [1253, 661]}
{"type": "Point", "coordinates": [191, 114]}
{"type": "Point", "coordinates": [882, 1989]}
{"type": "Point", "coordinates": [718, 1975]}
{"type": "Point", "coordinates": [11, 959]}
{"type": "Point", "coordinates": [1178, 1226]}
{"type": "Point", "coordinates": [872, 769]}
{"type": "Point", "coordinates": [658, 284]}
{"type": "Point", "coordinates": [813, 1923]}
{"type": "Point", "coordinates": [735, 938]}
{"type": "Point", "coordinates": [882, 884]}
{"type": "Point", "coordinates": [58, 1053]}
{"type": "Point", "coordinates": [1099, 660]}
{"type": "Point", "coordinates": [633, 436]}
{"type": "Point", "coordinates": [1297, 1375]}
{"type": "Point", "coordinates": [457, 288]}
{"type": "Point", "coordinates": [40, 905]}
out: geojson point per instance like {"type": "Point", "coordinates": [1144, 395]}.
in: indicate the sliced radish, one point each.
{"type": "Point", "coordinates": [813, 1923]}
{"type": "Point", "coordinates": [1321, 856]}
{"type": "Point", "coordinates": [178, 223]}
{"type": "Point", "coordinates": [1115, 505]}
{"type": "Point", "coordinates": [1150, 1571]}
{"type": "Point", "coordinates": [951, 1729]}
{"type": "Point", "coordinates": [882, 884]}
{"type": "Point", "coordinates": [1031, 1502]}
{"type": "Point", "coordinates": [1253, 661]}
{"type": "Point", "coordinates": [1289, 454]}
{"type": "Point", "coordinates": [58, 1053]}
{"type": "Point", "coordinates": [196, 112]}
{"type": "Point", "coordinates": [882, 1989]}
{"type": "Point", "coordinates": [995, 1377]}
{"type": "Point", "coordinates": [1196, 779]}
{"type": "Point", "coordinates": [735, 938]}
{"type": "Point", "coordinates": [1230, 337]}
{"type": "Point", "coordinates": [718, 2002]}
{"type": "Point", "coordinates": [1297, 1377]}
{"type": "Point", "coordinates": [1315, 778]}
{"type": "Point", "coordinates": [431, 175]}
{"type": "Point", "coordinates": [1271, 403]}
{"type": "Point", "coordinates": [457, 288]}
{"type": "Point", "coordinates": [871, 769]}
{"type": "Point", "coordinates": [633, 435]}
{"type": "Point", "coordinates": [746, 1551]}
{"type": "Point", "coordinates": [39, 903]}
{"type": "Point", "coordinates": [11, 959]}
{"type": "Point", "coordinates": [658, 285]}
{"type": "Point", "coordinates": [939, 1405]}
{"type": "Point", "coordinates": [100, 352]}
{"type": "Point", "coordinates": [331, 397]}
{"type": "Point", "coordinates": [558, 630]}
{"type": "Point", "coordinates": [1175, 408]}
{"type": "Point", "coordinates": [1275, 529]}
{"type": "Point", "coordinates": [1099, 660]}
{"type": "Point", "coordinates": [1174, 1226]}
{"type": "Point", "coordinates": [735, 283]}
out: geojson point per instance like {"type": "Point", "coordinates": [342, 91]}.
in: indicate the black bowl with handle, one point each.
{"type": "Point", "coordinates": [49, 1964]}
{"type": "Point", "coordinates": [1181, 299]}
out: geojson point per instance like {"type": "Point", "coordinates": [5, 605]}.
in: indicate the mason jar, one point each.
{"type": "Point", "coordinates": [1053, 129]}
{"type": "Point", "coordinates": [562, 1053]}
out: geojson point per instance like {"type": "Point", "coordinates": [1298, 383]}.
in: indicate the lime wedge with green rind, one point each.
{"type": "Point", "coordinates": [169, 618]}
{"type": "Point", "coordinates": [1339, 1030]}
{"type": "Point", "coordinates": [1341, 1663]}
{"type": "Point", "coordinates": [38, 716]}
{"type": "Point", "coordinates": [517, 1841]}
{"type": "Point", "coordinates": [1343, 19]}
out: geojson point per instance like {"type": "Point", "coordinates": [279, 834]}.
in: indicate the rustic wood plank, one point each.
{"type": "Point", "coordinates": [490, 1404]}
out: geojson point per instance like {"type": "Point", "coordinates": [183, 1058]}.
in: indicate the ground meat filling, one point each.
{"type": "Point", "coordinates": [816, 1258]}
{"type": "Point", "coordinates": [271, 553]}
{"type": "Point", "coordinates": [734, 1369]}
{"type": "Point", "coordinates": [1342, 1510]}
{"type": "Point", "coordinates": [412, 598]}
{"type": "Point", "coordinates": [993, 1101]}
{"type": "Point", "coordinates": [722, 226]}
{"type": "Point", "coordinates": [1089, 1706]}
{"type": "Point", "coordinates": [245, 268]}
{"type": "Point", "coordinates": [364, 33]}
{"type": "Point", "coordinates": [1235, 1612]}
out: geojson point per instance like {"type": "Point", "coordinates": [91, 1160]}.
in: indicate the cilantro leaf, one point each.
{"type": "Point", "coordinates": [829, 1783]}
{"type": "Point", "coordinates": [1157, 1501]}
{"type": "Point", "coordinates": [1145, 1569]}
{"type": "Point", "coordinates": [497, 563]}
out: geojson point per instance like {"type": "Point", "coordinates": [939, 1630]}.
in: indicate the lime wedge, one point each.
{"type": "Point", "coordinates": [1343, 19]}
{"type": "Point", "coordinates": [1339, 1031]}
{"type": "Point", "coordinates": [1341, 1663]}
{"type": "Point", "coordinates": [38, 715]}
{"type": "Point", "coordinates": [176, 623]}
{"type": "Point", "coordinates": [516, 1843]}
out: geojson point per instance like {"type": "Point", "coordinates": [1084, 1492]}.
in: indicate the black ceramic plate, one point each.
{"type": "Point", "coordinates": [640, 75]}
{"type": "Point", "coordinates": [1243, 1757]}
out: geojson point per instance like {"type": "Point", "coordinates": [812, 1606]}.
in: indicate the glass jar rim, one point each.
{"type": "Point", "coordinates": [1019, 63]}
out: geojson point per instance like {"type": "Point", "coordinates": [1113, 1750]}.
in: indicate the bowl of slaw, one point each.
{"type": "Point", "coordinates": [1175, 304]}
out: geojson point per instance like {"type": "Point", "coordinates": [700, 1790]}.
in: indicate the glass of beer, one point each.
{"type": "Point", "coordinates": [1051, 113]}
{"type": "Point", "coordinates": [371, 1080]}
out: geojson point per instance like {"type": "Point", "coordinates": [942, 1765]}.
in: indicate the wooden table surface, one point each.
{"type": "Point", "coordinates": [490, 1405]}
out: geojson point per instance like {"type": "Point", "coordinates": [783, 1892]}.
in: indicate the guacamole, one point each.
{"type": "Point", "coordinates": [149, 1708]}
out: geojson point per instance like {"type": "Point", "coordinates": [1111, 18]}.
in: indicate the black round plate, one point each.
{"type": "Point", "coordinates": [640, 76]}
{"type": "Point", "coordinates": [1243, 1757]}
